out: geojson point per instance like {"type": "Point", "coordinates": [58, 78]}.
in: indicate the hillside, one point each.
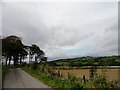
{"type": "Point", "coordinates": [88, 61]}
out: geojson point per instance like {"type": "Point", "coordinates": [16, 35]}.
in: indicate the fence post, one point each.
{"type": "Point", "coordinates": [84, 79]}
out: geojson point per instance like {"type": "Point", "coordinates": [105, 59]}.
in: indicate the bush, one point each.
{"type": "Point", "coordinates": [75, 82]}
{"type": "Point", "coordinates": [100, 82]}
{"type": "Point", "coordinates": [24, 64]}
{"type": "Point", "coordinates": [34, 66]}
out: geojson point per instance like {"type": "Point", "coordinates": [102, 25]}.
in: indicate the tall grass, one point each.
{"type": "Point", "coordinates": [53, 80]}
{"type": "Point", "coordinates": [4, 72]}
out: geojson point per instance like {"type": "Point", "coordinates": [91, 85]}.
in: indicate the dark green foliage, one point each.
{"type": "Point", "coordinates": [101, 82]}
{"type": "Point", "coordinates": [24, 64]}
{"type": "Point", "coordinates": [35, 50]}
{"type": "Point", "coordinates": [34, 66]}
{"type": "Point", "coordinates": [52, 64]}
{"type": "Point", "coordinates": [12, 47]}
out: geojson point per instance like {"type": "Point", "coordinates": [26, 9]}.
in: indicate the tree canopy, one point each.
{"type": "Point", "coordinates": [14, 49]}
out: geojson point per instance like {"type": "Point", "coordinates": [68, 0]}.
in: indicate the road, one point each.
{"type": "Point", "coordinates": [17, 78]}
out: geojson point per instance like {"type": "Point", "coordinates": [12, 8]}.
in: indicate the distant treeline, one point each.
{"type": "Point", "coordinates": [87, 61]}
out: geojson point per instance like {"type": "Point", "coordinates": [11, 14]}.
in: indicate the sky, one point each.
{"type": "Point", "coordinates": [64, 29]}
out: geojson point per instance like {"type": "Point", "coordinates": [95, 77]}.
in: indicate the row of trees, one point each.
{"type": "Point", "coordinates": [14, 50]}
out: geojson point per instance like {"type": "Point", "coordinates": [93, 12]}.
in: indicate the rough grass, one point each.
{"type": "Point", "coordinates": [4, 72]}
{"type": "Point", "coordinates": [52, 81]}
{"type": "Point", "coordinates": [71, 82]}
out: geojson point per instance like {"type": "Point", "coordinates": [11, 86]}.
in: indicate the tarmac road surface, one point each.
{"type": "Point", "coordinates": [17, 78]}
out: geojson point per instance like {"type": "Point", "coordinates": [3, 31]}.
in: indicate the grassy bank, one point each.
{"type": "Point", "coordinates": [4, 72]}
{"type": "Point", "coordinates": [54, 81]}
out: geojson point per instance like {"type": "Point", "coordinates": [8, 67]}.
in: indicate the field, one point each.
{"type": "Point", "coordinates": [85, 72]}
{"type": "Point", "coordinates": [112, 74]}
{"type": "Point", "coordinates": [73, 77]}
{"type": "Point", "coordinates": [80, 66]}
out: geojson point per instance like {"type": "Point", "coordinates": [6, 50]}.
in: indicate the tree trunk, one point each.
{"type": "Point", "coordinates": [6, 61]}
{"type": "Point", "coordinates": [15, 61]}
{"type": "Point", "coordinates": [9, 60]}
{"type": "Point", "coordinates": [20, 60]}
{"type": "Point", "coordinates": [35, 59]}
{"type": "Point", "coordinates": [23, 58]}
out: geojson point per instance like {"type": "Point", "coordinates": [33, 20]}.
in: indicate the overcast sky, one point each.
{"type": "Point", "coordinates": [64, 29]}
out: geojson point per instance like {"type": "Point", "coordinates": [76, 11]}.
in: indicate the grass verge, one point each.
{"type": "Point", "coordinates": [4, 72]}
{"type": "Point", "coordinates": [52, 81]}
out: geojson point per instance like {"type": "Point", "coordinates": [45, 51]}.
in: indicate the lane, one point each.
{"type": "Point", "coordinates": [17, 78]}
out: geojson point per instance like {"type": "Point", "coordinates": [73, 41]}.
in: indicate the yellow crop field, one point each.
{"type": "Point", "coordinates": [112, 74]}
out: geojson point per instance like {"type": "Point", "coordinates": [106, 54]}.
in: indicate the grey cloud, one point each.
{"type": "Point", "coordinates": [57, 27]}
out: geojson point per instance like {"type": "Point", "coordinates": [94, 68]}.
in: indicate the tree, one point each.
{"type": "Point", "coordinates": [39, 54]}
{"type": "Point", "coordinates": [44, 59]}
{"type": "Point", "coordinates": [23, 53]}
{"type": "Point", "coordinates": [12, 46]}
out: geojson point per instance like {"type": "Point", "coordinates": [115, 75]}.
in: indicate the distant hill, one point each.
{"type": "Point", "coordinates": [88, 61]}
